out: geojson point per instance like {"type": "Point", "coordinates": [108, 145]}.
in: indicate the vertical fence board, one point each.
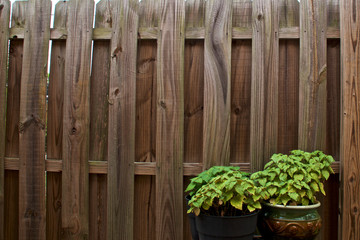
{"type": "Point", "coordinates": [11, 192]}
{"type": "Point", "coordinates": [55, 125]}
{"type": "Point", "coordinates": [264, 88]}
{"type": "Point", "coordinates": [288, 99]}
{"type": "Point", "coordinates": [32, 211]}
{"type": "Point", "coordinates": [240, 84]}
{"type": "Point", "coordinates": [312, 82]}
{"type": "Point", "coordinates": [99, 107]}
{"type": "Point", "coordinates": [170, 120]}
{"type": "Point", "coordinates": [217, 83]}
{"type": "Point", "coordinates": [75, 175]}
{"type": "Point", "coordinates": [193, 84]}
{"type": "Point", "coordinates": [145, 139]}
{"type": "Point", "coordinates": [350, 122]}
{"type": "Point", "coordinates": [121, 135]}
{"type": "Point", "coordinates": [4, 43]}
{"type": "Point", "coordinates": [330, 202]}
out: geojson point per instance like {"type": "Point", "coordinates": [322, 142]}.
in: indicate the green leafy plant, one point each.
{"type": "Point", "coordinates": [295, 179]}
{"type": "Point", "coordinates": [203, 178]}
{"type": "Point", "coordinates": [232, 193]}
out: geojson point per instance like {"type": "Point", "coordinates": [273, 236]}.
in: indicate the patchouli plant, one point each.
{"type": "Point", "coordinates": [295, 179]}
{"type": "Point", "coordinates": [228, 194]}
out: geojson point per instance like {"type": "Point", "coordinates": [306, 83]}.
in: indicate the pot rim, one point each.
{"type": "Point", "coordinates": [312, 206]}
{"type": "Point", "coordinates": [229, 217]}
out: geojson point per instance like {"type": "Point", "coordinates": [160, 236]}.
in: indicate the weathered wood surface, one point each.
{"type": "Point", "coordinates": [75, 175]}
{"type": "Point", "coordinates": [11, 192]}
{"type": "Point", "coordinates": [145, 139]}
{"type": "Point", "coordinates": [288, 103]}
{"type": "Point", "coordinates": [170, 120]}
{"type": "Point", "coordinates": [240, 84]}
{"type": "Point", "coordinates": [122, 112]}
{"type": "Point", "coordinates": [313, 72]}
{"type": "Point", "coordinates": [217, 83]}
{"type": "Point", "coordinates": [350, 120]}
{"type": "Point", "coordinates": [264, 88]}
{"type": "Point", "coordinates": [55, 125]}
{"type": "Point", "coordinates": [4, 38]}
{"type": "Point", "coordinates": [99, 107]}
{"type": "Point", "coordinates": [194, 84]}
{"type": "Point", "coordinates": [32, 211]}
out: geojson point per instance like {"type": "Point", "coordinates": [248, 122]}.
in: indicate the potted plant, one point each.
{"type": "Point", "coordinates": [292, 182]}
{"type": "Point", "coordinates": [227, 206]}
{"type": "Point", "coordinates": [196, 183]}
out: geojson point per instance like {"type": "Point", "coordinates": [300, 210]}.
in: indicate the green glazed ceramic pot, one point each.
{"type": "Point", "coordinates": [278, 222]}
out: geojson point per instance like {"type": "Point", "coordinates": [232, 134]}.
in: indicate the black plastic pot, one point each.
{"type": "Point", "coordinates": [230, 228]}
{"type": "Point", "coordinates": [191, 217]}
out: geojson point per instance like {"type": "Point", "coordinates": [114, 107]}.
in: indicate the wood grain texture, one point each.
{"type": "Point", "coordinates": [241, 84]}
{"type": "Point", "coordinates": [145, 130]}
{"type": "Point", "coordinates": [288, 100]}
{"type": "Point", "coordinates": [170, 120]}
{"type": "Point", "coordinates": [11, 192]}
{"type": "Point", "coordinates": [194, 84]}
{"type": "Point", "coordinates": [264, 88]}
{"type": "Point", "coordinates": [32, 211]}
{"type": "Point", "coordinates": [4, 44]}
{"type": "Point", "coordinates": [55, 125]}
{"type": "Point", "coordinates": [313, 72]}
{"type": "Point", "coordinates": [240, 101]}
{"type": "Point", "coordinates": [122, 112]}
{"type": "Point", "coordinates": [99, 108]}
{"type": "Point", "coordinates": [217, 83]}
{"type": "Point", "coordinates": [350, 122]}
{"type": "Point", "coordinates": [75, 175]}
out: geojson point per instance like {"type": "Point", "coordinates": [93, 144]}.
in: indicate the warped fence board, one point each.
{"type": "Point", "coordinates": [4, 39]}
{"type": "Point", "coordinates": [217, 83]}
{"type": "Point", "coordinates": [159, 90]}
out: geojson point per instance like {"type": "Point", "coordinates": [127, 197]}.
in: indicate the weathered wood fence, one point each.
{"type": "Point", "coordinates": [159, 90]}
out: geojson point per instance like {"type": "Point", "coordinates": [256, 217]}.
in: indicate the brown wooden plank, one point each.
{"type": "Point", "coordinates": [122, 112]}
{"type": "Point", "coordinates": [350, 122]}
{"type": "Point", "coordinates": [75, 177]}
{"type": "Point", "coordinates": [312, 82]}
{"type": "Point", "coordinates": [4, 44]}
{"type": "Point", "coordinates": [11, 192]}
{"type": "Point", "coordinates": [194, 84]}
{"type": "Point", "coordinates": [288, 114]}
{"type": "Point", "coordinates": [145, 139]}
{"type": "Point", "coordinates": [264, 88]}
{"type": "Point", "coordinates": [32, 211]}
{"type": "Point", "coordinates": [170, 120]}
{"type": "Point", "coordinates": [241, 84]}
{"type": "Point", "coordinates": [55, 125]}
{"type": "Point", "coordinates": [99, 107]}
{"type": "Point", "coordinates": [217, 82]}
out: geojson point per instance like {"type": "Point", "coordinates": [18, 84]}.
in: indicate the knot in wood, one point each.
{"type": "Point", "coordinates": [260, 17]}
{"type": "Point", "coordinates": [162, 104]}
{"type": "Point", "coordinates": [32, 119]}
{"type": "Point", "coordinates": [1, 6]}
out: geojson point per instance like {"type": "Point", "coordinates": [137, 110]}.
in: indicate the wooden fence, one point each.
{"type": "Point", "coordinates": [158, 91]}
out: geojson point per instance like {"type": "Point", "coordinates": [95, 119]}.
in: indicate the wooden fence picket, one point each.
{"type": "Point", "coordinates": [4, 39]}
{"type": "Point", "coordinates": [75, 168]}
{"type": "Point", "coordinates": [170, 121]}
{"type": "Point", "coordinates": [55, 124]}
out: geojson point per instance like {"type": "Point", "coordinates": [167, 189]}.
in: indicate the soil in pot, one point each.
{"type": "Point", "coordinates": [278, 222]}
{"type": "Point", "coordinates": [230, 228]}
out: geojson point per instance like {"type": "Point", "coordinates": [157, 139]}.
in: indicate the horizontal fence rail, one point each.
{"type": "Point", "coordinates": [142, 95]}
